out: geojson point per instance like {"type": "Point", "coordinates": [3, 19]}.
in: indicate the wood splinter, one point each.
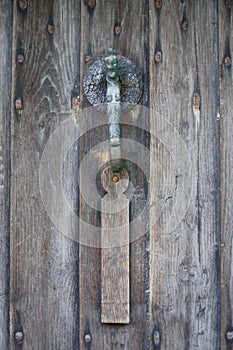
{"type": "Point", "coordinates": [115, 303]}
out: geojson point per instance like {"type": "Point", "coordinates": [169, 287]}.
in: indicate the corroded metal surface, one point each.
{"type": "Point", "coordinates": [113, 108]}
{"type": "Point", "coordinates": [95, 84]}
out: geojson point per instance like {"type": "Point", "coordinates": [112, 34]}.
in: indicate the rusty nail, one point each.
{"type": "Point", "coordinates": [91, 4]}
{"type": "Point", "coordinates": [115, 179]}
{"type": "Point", "coordinates": [185, 24]}
{"type": "Point", "coordinates": [196, 101]}
{"type": "Point", "coordinates": [228, 3]}
{"type": "Point", "coordinates": [158, 3]}
{"type": "Point", "coordinates": [20, 58]}
{"type": "Point", "coordinates": [87, 338]}
{"type": "Point", "coordinates": [227, 61]}
{"type": "Point", "coordinates": [50, 28]}
{"type": "Point", "coordinates": [158, 56]}
{"type": "Point", "coordinates": [117, 30]}
{"type": "Point", "coordinates": [88, 59]}
{"type": "Point", "coordinates": [19, 104]}
{"type": "Point", "coordinates": [156, 338]}
{"type": "Point", "coordinates": [229, 335]}
{"type": "Point", "coordinates": [23, 4]}
{"type": "Point", "coordinates": [18, 336]}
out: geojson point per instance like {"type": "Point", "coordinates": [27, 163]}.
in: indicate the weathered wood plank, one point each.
{"type": "Point", "coordinates": [115, 292]}
{"type": "Point", "coordinates": [185, 273]}
{"type": "Point", "coordinates": [226, 107]}
{"type": "Point", "coordinates": [44, 263]}
{"type": "Point", "coordinates": [98, 34]}
{"type": "Point", "coordinates": [6, 25]}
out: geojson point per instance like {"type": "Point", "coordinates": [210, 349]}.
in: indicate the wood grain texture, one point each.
{"type": "Point", "coordinates": [185, 262]}
{"type": "Point", "coordinates": [98, 34]}
{"type": "Point", "coordinates": [226, 107]}
{"type": "Point", "coordinates": [44, 263]}
{"type": "Point", "coordinates": [55, 284]}
{"type": "Point", "coordinates": [115, 303]}
{"type": "Point", "coordinates": [6, 25]}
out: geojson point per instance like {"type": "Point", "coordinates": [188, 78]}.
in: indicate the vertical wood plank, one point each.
{"type": "Point", "coordinates": [115, 301]}
{"type": "Point", "coordinates": [98, 34]}
{"type": "Point", "coordinates": [185, 262]}
{"type": "Point", "coordinates": [6, 25]}
{"type": "Point", "coordinates": [44, 263]}
{"type": "Point", "coordinates": [226, 107]}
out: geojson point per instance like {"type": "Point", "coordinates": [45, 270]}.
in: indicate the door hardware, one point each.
{"type": "Point", "coordinates": [113, 85]}
{"type": "Point", "coordinates": [113, 109]}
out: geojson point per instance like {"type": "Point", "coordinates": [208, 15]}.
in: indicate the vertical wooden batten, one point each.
{"type": "Point", "coordinates": [115, 282]}
{"type": "Point", "coordinates": [185, 262]}
{"type": "Point", "coordinates": [6, 24]}
{"type": "Point", "coordinates": [226, 122]}
{"type": "Point", "coordinates": [44, 262]}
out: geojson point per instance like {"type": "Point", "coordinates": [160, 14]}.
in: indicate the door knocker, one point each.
{"type": "Point", "coordinates": [113, 85]}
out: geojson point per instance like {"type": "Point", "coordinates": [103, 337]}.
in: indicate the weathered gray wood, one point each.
{"type": "Point", "coordinates": [226, 121]}
{"type": "Point", "coordinates": [5, 105]}
{"type": "Point", "coordinates": [115, 291]}
{"type": "Point", "coordinates": [44, 263]}
{"type": "Point", "coordinates": [184, 88]}
{"type": "Point", "coordinates": [185, 269]}
{"type": "Point", "coordinates": [97, 35]}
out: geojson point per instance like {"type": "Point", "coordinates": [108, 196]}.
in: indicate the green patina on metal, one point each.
{"type": "Point", "coordinates": [113, 85]}
{"type": "Point", "coordinates": [114, 109]}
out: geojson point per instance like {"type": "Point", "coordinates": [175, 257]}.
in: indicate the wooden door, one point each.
{"type": "Point", "coordinates": [181, 266]}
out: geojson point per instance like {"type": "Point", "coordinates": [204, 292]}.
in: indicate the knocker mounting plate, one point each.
{"type": "Point", "coordinates": [95, 85]}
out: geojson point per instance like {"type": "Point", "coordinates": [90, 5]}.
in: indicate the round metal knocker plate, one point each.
{"type": "Point", "coordinates": [95, 84]}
